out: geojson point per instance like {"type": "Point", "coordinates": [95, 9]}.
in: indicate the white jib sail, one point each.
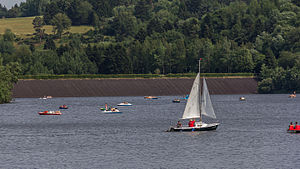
{"type": "Point", "coordinates": [206, 108]}
{"type": "Point", "coordinates": [192, 108]}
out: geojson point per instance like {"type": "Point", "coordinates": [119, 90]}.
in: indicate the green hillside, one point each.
{"type": "Point", "coordinates": [162, 37]}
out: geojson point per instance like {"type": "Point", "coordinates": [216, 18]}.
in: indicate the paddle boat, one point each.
{"type": "Point", "coordinates": [150, 97]}
{"type": "Point", "coordinates": [124, 104]}
{"type": "Point", "coordinates": [50, 113]}
{"type": "Point", "coordinates": [63, 107]}
{"type": "Point", "coordinates": [111, 111]}
{"type": "Point", "coordinates": [294, 128]}
{"type": "Point", "coordinates": [104, 108]}
{"type": "Point", "coordinates": [46, 97]}
{"type": "Point", "coordinates": [293, 95]}
{"type": "Point", "coordinates": [176, 101]}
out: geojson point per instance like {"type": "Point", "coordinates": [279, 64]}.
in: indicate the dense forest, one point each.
{"type": "Point", "coordinates": [160, 37]}
{"type": "Point", "coordinates": [8, 76]}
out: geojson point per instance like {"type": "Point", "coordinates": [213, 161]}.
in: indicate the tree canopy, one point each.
{"type": "Point", "coordinates": [165, 36]}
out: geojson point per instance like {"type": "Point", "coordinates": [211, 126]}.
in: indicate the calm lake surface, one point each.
{"type": "Point", "coordinates": [252, 134]}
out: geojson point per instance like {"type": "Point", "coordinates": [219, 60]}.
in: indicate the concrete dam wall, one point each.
{"type": "Point", "coordinates": [128, 87]}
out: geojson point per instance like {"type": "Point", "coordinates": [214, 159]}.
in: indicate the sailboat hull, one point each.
{"type": "Point", "coordinates": [207, 127]}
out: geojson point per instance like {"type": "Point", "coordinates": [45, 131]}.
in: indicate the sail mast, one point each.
{"type": "Point", "coordinates": [200, 98]}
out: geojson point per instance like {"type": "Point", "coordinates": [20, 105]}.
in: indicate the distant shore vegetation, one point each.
{"type": "Point", "coordinates": [132, 76]}
{"type": "Point", "coordinates": [79, 37]}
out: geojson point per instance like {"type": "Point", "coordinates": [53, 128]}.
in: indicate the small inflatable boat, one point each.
{"type": "Point", "coordinates": [124, 104]}
{"type": "Point", "coordinates": [176, 101]}
{"type": "Point", "coordinates": [294, 129]}
{"type": "Point", "coordinates": [50, 113]}
{"type": "Point", "coordinates": [63, 107]}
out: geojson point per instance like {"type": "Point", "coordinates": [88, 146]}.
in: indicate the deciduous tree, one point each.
{"type": "Point", "coordinates": [38, 24]}
{"type": "Point", "coordinates": [60, 23]}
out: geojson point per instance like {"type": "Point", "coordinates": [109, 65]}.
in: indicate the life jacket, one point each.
{"type": "Point", "coordinates": [291, 127]}
{"type": "Point", "coordinates": [297, 127]}
{"type": "Point", "coordinates": [192, 124]}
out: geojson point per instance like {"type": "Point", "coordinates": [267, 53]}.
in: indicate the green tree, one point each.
{"type": "Point", "coordinates": [14, 12]}
{"type": "Point", "coordinates": [142, 10]}
{"type": "Point", "coordinates": [296, 2]}
{"type": "Point", "coordinates": [7, 48]}
{"type": "Point", "coordinates": [80, 12]}
{"type": "Point", "coordinates": [34, 7]}
{"type": "Point", "coordinates": [3, 11]}
{"type": "Point", "coordinates": [50, 44]}
{"type": "Point", "coordinates": [60, 23]}
{"type": "Point", "coordinates": [242, 61]}
{"type": "Point", "coordinates": [124, 23]}
{"type": "Point", "coordinates": [287, 59]}
{"type": "Point", "coordinates": [38, 24]}
{"type": "Point", "coordinates": [9, 36]}
{"type": "Point", "coordinates": [8, 77]}
{"type": "Point", "coordinates": [265, 86]}
{"type": "Point", "coordinates": [270, 59]}
{"type": "Point", "coordinates": [191, 27]}
{"type": "Point", "coordinates": [24, 56]}
{"type": "Point", "coordinates": [292, 79]}
{"type": "Point", "coordinates": [258, 59]}
{"type": "Point", "coordinates": [278, 78]}
{"type": "Point", "coordinates": [53, 8]}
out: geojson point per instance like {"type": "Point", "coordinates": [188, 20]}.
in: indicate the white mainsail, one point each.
{"type": "Point", "coordinates": [192, 108]}
{"type": "Point", "coordinates": [206, 107]}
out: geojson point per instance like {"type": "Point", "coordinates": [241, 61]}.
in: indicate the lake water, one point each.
{"type": "Point", "coordinates": [252, 134]}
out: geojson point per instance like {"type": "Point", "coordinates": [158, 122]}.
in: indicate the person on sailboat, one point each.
{"type": "Point", "coordinates": [179, 124]}
{"type": "Point", "coordinates": [192, 123]}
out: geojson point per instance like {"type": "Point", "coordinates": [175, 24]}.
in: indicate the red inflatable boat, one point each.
{"type": "Point", "coordinates": [294, 129]}
{"type": "Point", "coordinates": [50, 113]}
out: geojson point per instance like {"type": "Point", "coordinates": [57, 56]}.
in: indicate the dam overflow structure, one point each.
{"type": "Point", "coordinates": [128, 87]}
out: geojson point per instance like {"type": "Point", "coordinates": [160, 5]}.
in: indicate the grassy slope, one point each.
{"type": "Point", "coordinates": [23, 26]}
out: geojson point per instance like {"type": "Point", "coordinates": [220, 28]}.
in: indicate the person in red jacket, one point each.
{"type": "Point", "coordinates": [297, 127]}
{"type": "Point", "coordinates": [192, 123]}
{"type": "Point", "coordinates": [291, 127]}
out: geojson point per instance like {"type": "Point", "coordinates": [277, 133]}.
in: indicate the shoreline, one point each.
{"type": "Point", "coordinates": [128, 87]}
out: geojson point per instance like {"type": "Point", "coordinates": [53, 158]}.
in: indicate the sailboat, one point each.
{"type": "Point", "coordinates": [197, 106]}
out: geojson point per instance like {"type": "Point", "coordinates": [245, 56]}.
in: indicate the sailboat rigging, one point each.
{"type": "Point", "coordinates": [197, 106]}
